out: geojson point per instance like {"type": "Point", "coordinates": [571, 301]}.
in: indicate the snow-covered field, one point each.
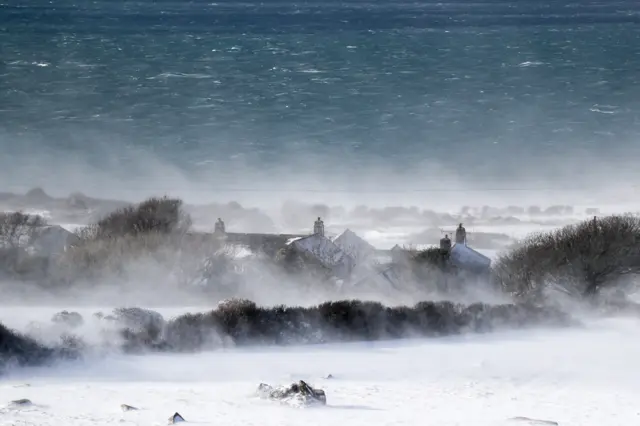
{"type": "Point", "coordinates": [580, 377]}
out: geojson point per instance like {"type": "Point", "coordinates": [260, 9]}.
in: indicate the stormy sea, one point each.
{"type": "Point", "coordinates": [224, 212]}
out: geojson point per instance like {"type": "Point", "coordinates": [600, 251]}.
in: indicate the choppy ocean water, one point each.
{"type": "Point", "coordinates": [169, 92]}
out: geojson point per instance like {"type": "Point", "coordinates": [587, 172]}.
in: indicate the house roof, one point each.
{"type": "Point", "coordinates": [321, 247]}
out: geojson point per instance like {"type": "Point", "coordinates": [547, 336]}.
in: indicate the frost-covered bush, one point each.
{"type": "Point", "coordinates": [581, 259]}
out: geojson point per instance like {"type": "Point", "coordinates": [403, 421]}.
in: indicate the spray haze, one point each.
{"type": "Point", "coordinates": [395, 121]}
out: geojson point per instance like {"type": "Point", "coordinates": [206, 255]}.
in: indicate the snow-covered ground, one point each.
{"type": "Point", "coordinates": [581, 377]}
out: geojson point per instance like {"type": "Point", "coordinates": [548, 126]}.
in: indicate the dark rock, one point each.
{"type": "Point", "coordinates": [300, 392]}
{"type": "Point", "coordinates": [126, 407]}
{"type": "Point", "coordinates": [21, 402]}
{"type": "Point", "coordinates": [176, 418]}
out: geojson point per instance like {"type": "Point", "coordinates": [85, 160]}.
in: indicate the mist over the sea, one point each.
{"type": "Point", "coordinates": [361, 102]}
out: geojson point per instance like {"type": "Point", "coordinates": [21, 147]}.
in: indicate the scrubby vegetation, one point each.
{"type": "Point", "coordinates": [19, 350]}
{"type": "Point", "coordinates": [582, 260]}
{"type": "Point", "coordinates": [16, 228]}
{"type": "Point", "coordinates": [156, 229]}
{"type": "Point", "coordinates": [241, 322]}
{"type": "Point", "coordinates": [164, 216]}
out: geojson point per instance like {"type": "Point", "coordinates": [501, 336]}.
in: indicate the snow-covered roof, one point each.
{"type": "Point", "coordinates": [321, 247]}
{"type": "Point", "coordinates": [468, 256]}
{"type": "Point", "coordinates": [354, 245]}
{"type": "Point", "coordinates": [290, 240]}
{"type": "Point", "coordinates": [236, 251]}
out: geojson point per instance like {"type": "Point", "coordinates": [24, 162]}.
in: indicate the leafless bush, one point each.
{"type": "Point", "coordinates": [579, 259]}
{"type": "Point", "coordinates": [155, 215]}
{"type": "Point", "coordinates": [94, 258]}
{"type": "Point", "coordinates": [431, 256]}
{"type": "Point", "coordinates": [155, 229]}
{"type": "Point", "coordinates": [435, 270]}
{"type": "Point", "coordinates": [185, 258]}
{"type": "Point", "coordinates": [16, 228]}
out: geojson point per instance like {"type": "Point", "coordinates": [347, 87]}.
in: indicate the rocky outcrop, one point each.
{"type": "Point", "coordinates": [300, 393]}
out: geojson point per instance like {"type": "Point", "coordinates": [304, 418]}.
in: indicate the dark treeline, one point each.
{"type": "Point", "coordinates": [243, 323]}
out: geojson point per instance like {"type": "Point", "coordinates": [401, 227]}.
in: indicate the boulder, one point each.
{"type": "Point", "coordinates": [299, 393]}
{"type": "Point", "coordinates": [176, 418]}
{"type": "Point", "coordinates": [21, 402]}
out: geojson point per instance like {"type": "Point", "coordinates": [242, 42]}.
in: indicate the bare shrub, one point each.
{"type": "Point", "coordinates": [437, 271]}
{"type": "Point", "coordinates": [16, 231]}
{"type": "Point", "coordinates": [431, 256]}
{"type": "Point", "coordinates": [155, 230]}
{"type": "Point", "coordinates": [158, 215]}
{"type": "Point", "coordinates": [303, 265]}
{"type": "Point", "coordinates": [95, 258]}
{"type": "Point", "coordinates": [16, 228]}
{"type": "Point", "coordinates": [580, 259]}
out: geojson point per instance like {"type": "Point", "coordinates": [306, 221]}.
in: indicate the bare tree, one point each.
{"type": "Point", "coordinates": [582, 258]}
{"type": "Point", "coordinates": [17, 228]}
{"type": "Point", "coordinates": [16, 231]}
{"type": "Point", "coordinates": [154, 215]}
